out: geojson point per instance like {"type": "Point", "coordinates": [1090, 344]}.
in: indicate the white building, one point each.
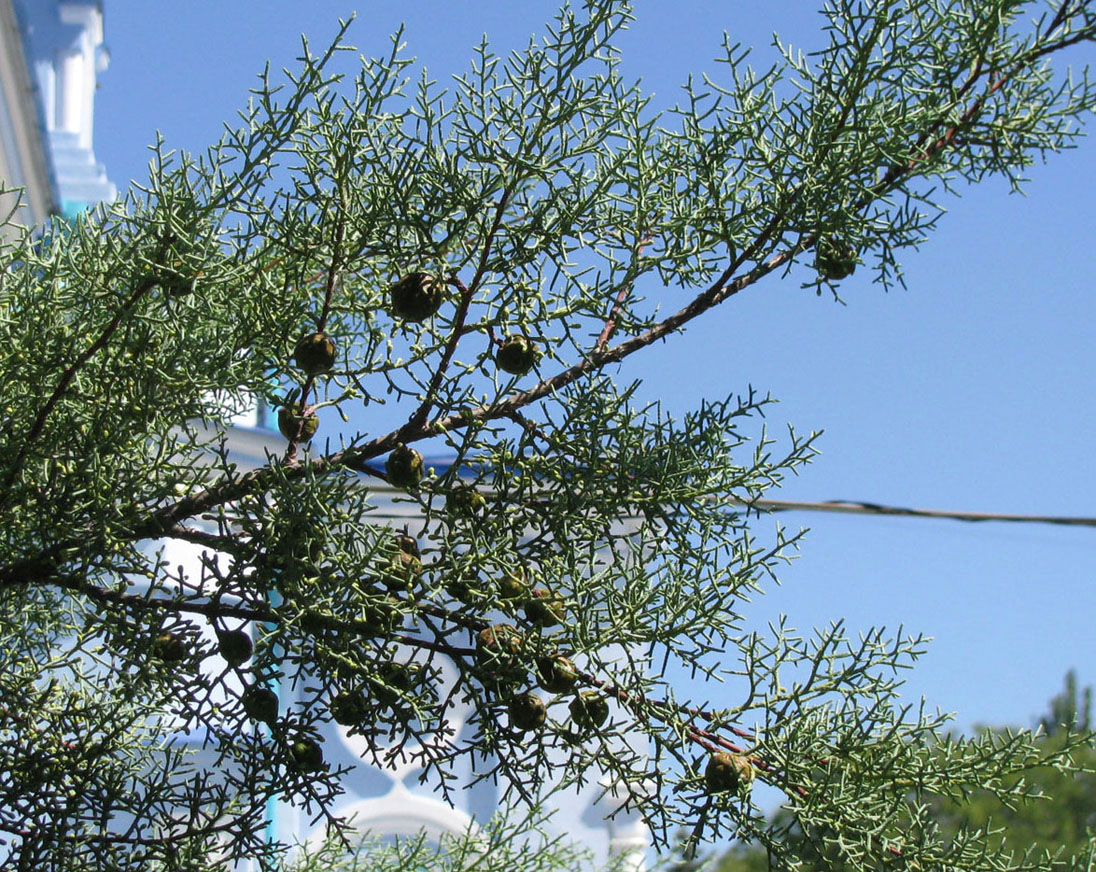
{"type": "Point", "coordinates": [64, 47]}
{"type": "Point", "coordinates": [51, 53]}
{"type": "Point", "coordinates": [391, 801]}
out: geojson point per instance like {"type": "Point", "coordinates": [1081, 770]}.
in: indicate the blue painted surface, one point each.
{"type": "Point", "coordinates": [71, 208]}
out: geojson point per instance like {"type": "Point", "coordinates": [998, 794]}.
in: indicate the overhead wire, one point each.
{"type": "Point", "coordinates": [865, 508]}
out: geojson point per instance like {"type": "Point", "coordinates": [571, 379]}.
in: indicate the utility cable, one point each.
{"type": "Point", "coordinates": [862, 508]}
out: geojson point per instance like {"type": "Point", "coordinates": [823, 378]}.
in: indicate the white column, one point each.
{"type": "Point", "coordinates": [70, 91]}
{"type": "Point", "coordinates": [79, 89]}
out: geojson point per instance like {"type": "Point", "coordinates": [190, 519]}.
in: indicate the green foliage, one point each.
{"type": "Point", "coordinates": [1059, 818]}
{"type": "Point", "coordinates": [553, 203]}
{"type": "Point", "coordinates": [1042, 814]}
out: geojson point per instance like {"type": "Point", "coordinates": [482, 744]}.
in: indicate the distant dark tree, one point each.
{"type": "Point", "coordinates": [1064, 714]}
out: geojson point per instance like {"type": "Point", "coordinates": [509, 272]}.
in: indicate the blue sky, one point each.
{"type": "Point", "coordinates": [970, 390]}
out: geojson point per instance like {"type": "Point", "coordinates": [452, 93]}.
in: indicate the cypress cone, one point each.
{"type": "Point", "coordinates": [416, 297]}
{"type": "Point", "coordinates": [404, 467]}
{"type": "Point", "coordinates": [727, 772]}
{"type": "Point", "coordinates": [315, 353]}
{"type": "Point", "coordinates": [517, 355]}
{"type": "Point", "coordinates": [527, 711]}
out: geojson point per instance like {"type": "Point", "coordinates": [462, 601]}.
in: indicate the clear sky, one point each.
{"type": "Point", "coordinates": [970, 390]}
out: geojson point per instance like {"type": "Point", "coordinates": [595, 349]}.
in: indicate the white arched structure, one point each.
{"type": "Point", "coordinates": [405, 814]}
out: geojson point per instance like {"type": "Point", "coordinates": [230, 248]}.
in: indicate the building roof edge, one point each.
{"type": "Point", "coordinates": [21, 88]}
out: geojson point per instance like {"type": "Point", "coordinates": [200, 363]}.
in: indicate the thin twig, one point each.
{"type": "Point", "coordinates": [201, 537]}
{"type": "Point", "coordinates": [618, 303]}
{"type": "Point", "coordinates": [422, 413]}
{"type": "Point", "coordinates": [489, 241]}
{"type": "Point", "coordinates": [329, 292]}
{"type": "Point", "coordinates": [419, 416]}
